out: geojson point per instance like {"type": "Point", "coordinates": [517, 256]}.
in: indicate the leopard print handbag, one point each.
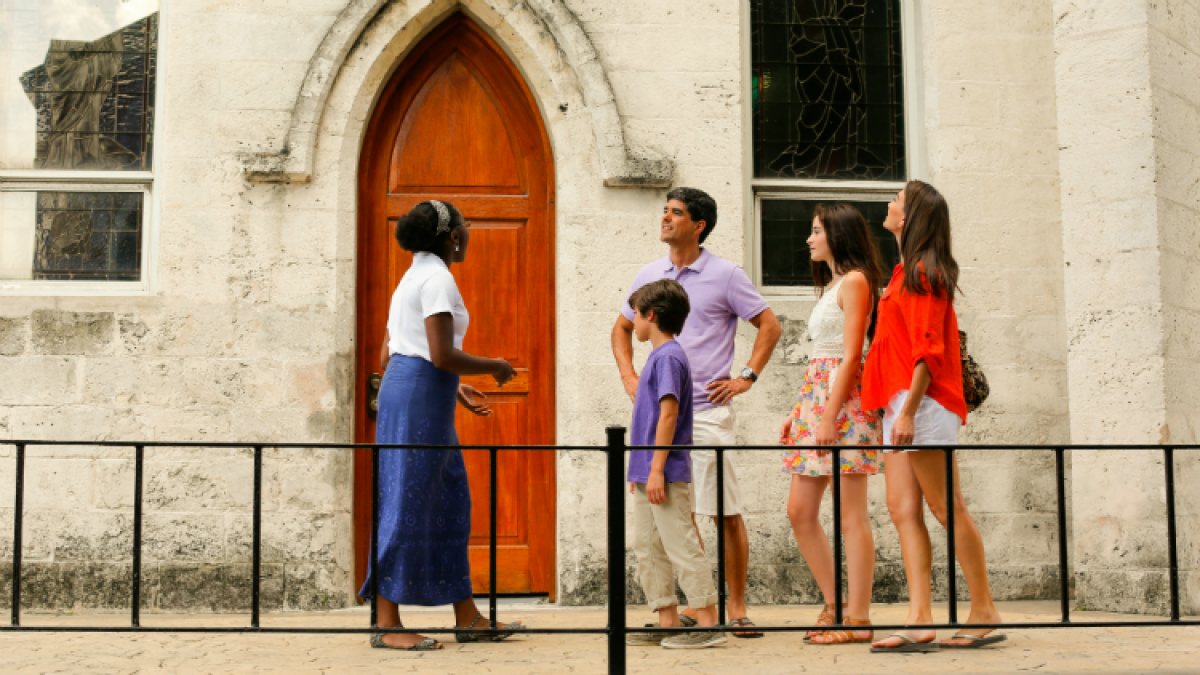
{"type": "Point", "coordinates": [975, 384]}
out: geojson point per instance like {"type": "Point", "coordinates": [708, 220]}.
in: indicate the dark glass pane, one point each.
{"type": "Point", "coordinates": [93, 100]}
{"type": "Point", "coordinates": [786, 225]}
{"type": "Point", "coordinates": [838, 63]}
{"type": "Point", "coordinates": [75, 236]}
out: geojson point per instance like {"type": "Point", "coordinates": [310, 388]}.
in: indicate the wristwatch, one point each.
{"type": "Point", "coordinates": [748, 374]}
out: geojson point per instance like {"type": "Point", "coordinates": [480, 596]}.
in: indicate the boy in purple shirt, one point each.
{"type": "Point", "coordinates": [665, 541]}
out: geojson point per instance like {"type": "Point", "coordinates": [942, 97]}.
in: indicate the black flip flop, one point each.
{"type": "Point", "coordinates": [743, 622]}
{"type": "Point", "coordinates": [908, 647]}
{"type": "Point", "coordinates": [687, 621]}
{"type": "Point", "coordinates": [974, 641]}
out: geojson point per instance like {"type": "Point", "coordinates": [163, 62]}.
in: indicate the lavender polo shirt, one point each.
{"type": "Point", "coordinates": [719, 293]}
{"type": "Point", "coordinates": [666, 374]}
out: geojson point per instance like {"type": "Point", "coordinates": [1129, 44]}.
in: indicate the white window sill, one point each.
{"type": "Point", "coordinates": [89, 289]}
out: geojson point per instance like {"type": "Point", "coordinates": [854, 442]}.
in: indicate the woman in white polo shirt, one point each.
{"type": "Point", "coordinates": [424, 496]}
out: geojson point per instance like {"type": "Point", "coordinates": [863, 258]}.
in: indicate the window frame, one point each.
{"type": "Point", "coordinates": [57, 180]}
{"type": "Point", "coordinates": [756, 189]}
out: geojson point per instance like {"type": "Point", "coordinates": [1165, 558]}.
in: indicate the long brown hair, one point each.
{"type": "Point", "coordinates": [851, 245]}
{"type": "Point", "coordinates": [929, 266]}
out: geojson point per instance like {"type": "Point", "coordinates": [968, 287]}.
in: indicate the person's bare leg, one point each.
{"type": "Point", "coordinates": [804, 510]}
{"type": "Point", "coordinates": [668, 617]}
{"type": "Point", "coordinates": [389, 617]}
{"type": "Point", "coordinates": [929, 467]}
{"type": "Point", "coordinates": [706, 617]}
{"type": "Point", "coordinates": [860, 551]}
{"type": "Point", "coordinates": [904, 501]}
{"type": "Point", "coordinates": [737, 563]}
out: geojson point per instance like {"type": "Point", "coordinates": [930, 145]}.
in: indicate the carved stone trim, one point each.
{"type": "Point", "coordinates": [293, 163]}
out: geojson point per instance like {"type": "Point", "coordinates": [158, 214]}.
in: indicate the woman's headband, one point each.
{"type": "Point", "coordinates": [443, 215]}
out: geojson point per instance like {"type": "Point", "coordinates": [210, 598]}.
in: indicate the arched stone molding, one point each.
{"type": "Point", "coordinates": [550, 32]}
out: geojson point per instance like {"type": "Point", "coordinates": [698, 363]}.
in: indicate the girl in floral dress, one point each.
{"type": "Point", "coordinates": [830, 412]}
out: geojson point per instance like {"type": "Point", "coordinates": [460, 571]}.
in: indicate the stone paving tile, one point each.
{"type": "Point", "coordinates": [1077, 651]}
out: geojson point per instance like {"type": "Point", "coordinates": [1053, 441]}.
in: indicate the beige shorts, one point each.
{"type": "Point", "coordinates": [933, 424]}
{"type": "Point", "coordinates": [714, 426]}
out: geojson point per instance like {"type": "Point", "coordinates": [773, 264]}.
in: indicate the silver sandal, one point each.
{"type": "Point", "coordinates": [488, 637]}
{"type": "Point", "coordinates": [426, 645]}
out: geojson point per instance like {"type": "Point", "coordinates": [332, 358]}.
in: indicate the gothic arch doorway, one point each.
{"type": "Point", "coordinates": [457, 123]}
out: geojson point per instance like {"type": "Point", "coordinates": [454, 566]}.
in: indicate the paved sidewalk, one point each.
{"type": "Point", "coordinates": [1128, 650]}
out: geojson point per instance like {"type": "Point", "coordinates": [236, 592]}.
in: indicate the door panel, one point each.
{"type": "Point", "coordinates": [457, 123]}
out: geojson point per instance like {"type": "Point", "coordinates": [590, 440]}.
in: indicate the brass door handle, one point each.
{"type": "Point", "coordinates": [374, 381]}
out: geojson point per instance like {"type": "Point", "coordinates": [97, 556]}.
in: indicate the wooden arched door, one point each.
{"type": "Point", "coordinates": [457, 123]}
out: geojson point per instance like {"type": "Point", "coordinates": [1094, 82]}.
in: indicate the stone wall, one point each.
{"type": "Point", "coordinates": [1127, 109]}
{"type": "Point", "coordinates": [250, 336]}
{"type": "Point", "coordinates": [1174, 37]}
{"type": "Point", "coordinates": [244, 340]}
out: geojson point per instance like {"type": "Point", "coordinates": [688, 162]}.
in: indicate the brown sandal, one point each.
{"type": "Point", "coordinates": [825, 618]}
{"type": "Point", "coordinates": [843, 636]}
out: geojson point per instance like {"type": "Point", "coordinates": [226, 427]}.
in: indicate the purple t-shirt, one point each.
{"type": "Point", "coordinates": [719, 292]}
{"type": "Point", "coordinates": [666, 374]}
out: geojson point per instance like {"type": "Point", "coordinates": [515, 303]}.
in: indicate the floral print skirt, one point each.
{"type": "Point", "coordinates": [855, 426]}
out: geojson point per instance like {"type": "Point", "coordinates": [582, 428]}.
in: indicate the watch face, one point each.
{"type": "Point", "coordinates": [748, 374]}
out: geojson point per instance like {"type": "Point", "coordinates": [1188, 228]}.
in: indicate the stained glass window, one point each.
{"type": "Point", "coordinates": [71, 236]}
{"type": "Point", "coordinates": [786, 225]}
{"type": "Point", "coordinates": [827, 89]}
{"type": "Point", "coordinates": [77, 94]}
{"type": "Point", "coordinates": [94, 101]}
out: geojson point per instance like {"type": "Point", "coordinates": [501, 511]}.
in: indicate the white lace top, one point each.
{"type": "Point", "coordinates": [827, 326]}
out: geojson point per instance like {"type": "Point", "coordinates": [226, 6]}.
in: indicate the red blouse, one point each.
{"type": "Point", "coordinates": [913, 328]}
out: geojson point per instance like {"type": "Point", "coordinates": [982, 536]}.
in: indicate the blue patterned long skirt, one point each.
{"type": "Point", "coordinates": [425, 499]}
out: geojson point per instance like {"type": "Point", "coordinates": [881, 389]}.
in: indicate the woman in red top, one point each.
{"type": "Point", "coordinates": [914, 372]}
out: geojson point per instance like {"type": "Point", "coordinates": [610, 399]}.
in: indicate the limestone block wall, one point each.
{"type": "Point", "coordinates": [240, 342]}
{"type": "Point", "coordinates": [680, 100]}
{"type": "Point", "coordinates": [993, 132]}
{"type": "Point", "coordinates": [250, 337]}
{"type": "Point", "coordinates": [1127, 109]}
{"type": "Point", "coordinates": [1174, 47]}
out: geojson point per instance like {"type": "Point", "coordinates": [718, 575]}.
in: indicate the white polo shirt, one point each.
{"type": "Point", "coordinates": [427, 288]}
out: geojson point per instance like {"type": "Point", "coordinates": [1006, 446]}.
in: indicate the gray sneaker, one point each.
{"type": "Point", "coordinates": [694, 640]}
{"type": "Point", "coordinates": [644, 639]}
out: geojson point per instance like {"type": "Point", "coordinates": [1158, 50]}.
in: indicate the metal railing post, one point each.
{"type": "Point", "coordinates": [492, 537]}
{"type": "Point", "coordinates": [1172, 552]}
{"type": "Point", "coordinates": [135, 609]}
{"type": "Point", "coordinates": [18, 523]}
{"type": "Point", "coordinates": [1064, 572]}
{"type": "Point", "coordinates": [374, 560]}
{"type": "Point", "coordinates": [837, 536]}
{"type": "Point", "coordinates": [615, 457]}
{"type": "Point", "coordinates": [722, 585]}
{"type": "Point", "coordinates": [950, 553]}
{"type": "Point", "coordinates": [256, 542]}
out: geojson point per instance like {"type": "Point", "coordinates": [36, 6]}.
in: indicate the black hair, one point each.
{"type": "Point", "coordinates": [669, 302]}
{"type": "Point", "coordinates": [700, 206]}
{"type": "Point", "coordinates": [417, 230]}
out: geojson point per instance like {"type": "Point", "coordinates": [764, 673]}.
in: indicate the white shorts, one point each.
{"type": "Point", "coordinates": [933, 424]}
{"type": "Point", "coordinates": [713, 427]}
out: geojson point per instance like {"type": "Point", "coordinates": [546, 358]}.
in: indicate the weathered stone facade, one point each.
{"type": "Point", "coordinates": [1063, 136]}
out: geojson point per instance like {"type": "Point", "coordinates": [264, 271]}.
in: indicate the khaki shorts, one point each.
{"type": "Point", "coordinates": [714, 426]}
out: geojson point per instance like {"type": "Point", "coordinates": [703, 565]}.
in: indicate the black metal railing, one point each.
{"type": "Point", "coordinates": [617, 627]}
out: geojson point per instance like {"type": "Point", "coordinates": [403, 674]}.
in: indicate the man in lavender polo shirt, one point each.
{"type": "Point", "coordinates": [720, 293]}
